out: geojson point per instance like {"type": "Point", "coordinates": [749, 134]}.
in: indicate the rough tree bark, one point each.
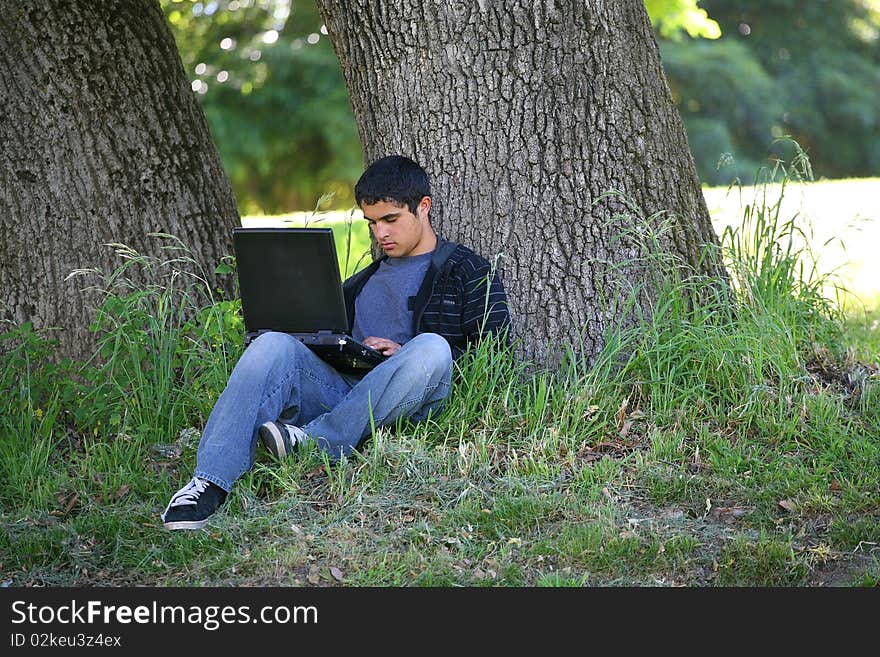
{"type": "Point", "coordinates": [101, 140]}
{"type": "Point", "coordinates": [525, 113]}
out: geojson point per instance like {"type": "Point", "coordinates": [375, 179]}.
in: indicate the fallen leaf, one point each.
{"type": "Point", "coordinates": [122, 490]}
{"type": "Point", "coordinates": [337, 574]}
{"type": "Point", "coordinates": [587, 453]}
{"type": "Point", "coordinates": [70, 504]}
{"type": "Point", "coordinates": [835, 486]}
{"type": "Point", "coordinates": [788, 505]}
{"type": "Point", "coordinates": [313, 576]}
{"type": "Point", "coordinates": [729, 513]}
{"type": "Point", "coordinates": [610, 446]}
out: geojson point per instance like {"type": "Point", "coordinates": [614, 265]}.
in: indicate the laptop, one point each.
{"type": "Point", "coordinates": [289, 282]}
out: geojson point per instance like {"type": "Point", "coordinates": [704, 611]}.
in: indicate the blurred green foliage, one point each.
{"type": "Point", "coordinates": [742, 73]}
{"type": "Point", "coordinates": [673, 18]}
{"type": "Point", "coordinates": [274, 97]}
{"type": "Point", "coordinates": [805, 68]}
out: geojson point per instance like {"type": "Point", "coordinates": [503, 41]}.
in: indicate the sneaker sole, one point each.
{"type": "Point", "coordinates": [273, 440]}
{"type": "Point", "coordinates": [186, 524]}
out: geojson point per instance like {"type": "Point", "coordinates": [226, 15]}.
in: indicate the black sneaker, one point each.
{"type": "Point", "coordinates": [192, 505]}
{"type": "Point", "coordinates": [281, 439]}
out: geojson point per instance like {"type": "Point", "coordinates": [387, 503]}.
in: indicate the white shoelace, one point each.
{"type": "Point", "coordinates": [296, 434]}
{"type": "Point", "coordinates": [188, 495]}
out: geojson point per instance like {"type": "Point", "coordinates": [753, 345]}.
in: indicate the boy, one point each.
{"type": "Point", "coordinates": [420, 304]}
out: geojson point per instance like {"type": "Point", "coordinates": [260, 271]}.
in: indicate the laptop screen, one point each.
{"type": "Point", "coordinates": [289, 280]}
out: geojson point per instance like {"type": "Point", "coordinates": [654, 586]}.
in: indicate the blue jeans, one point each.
{"type": "Point", "coordinates": [279, 377]}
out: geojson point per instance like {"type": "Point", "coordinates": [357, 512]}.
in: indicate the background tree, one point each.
{"type": "Point", "coordinates": [525, 115]}
{"type": "Point", "coordinates": [103, 141]}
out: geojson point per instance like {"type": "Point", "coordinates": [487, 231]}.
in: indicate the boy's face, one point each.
{"type": "Point", "coordinates": [398, 231]}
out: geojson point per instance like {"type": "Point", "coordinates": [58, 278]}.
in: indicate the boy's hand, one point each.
{"type": "Point", "coordinates": [384, 346]}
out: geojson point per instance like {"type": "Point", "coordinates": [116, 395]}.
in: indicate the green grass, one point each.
{"type": "Point", "coordinates": [765, 561]}
{"type": "Point", "coordinates": [733, 440]}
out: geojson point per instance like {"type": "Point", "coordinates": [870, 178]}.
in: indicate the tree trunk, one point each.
{"type": "Point", "coordinates": [525, 114]}
{"type": "Point", "coordinates": [101, 141]}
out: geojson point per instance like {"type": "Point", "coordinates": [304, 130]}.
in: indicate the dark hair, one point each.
{"type": "Point", "coordinates": [393, 179]}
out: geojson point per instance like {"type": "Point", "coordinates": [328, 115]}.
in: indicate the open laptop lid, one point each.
{"type": "Point", "coordinates": [289, 280]}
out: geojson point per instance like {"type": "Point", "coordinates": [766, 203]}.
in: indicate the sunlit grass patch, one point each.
{"type": "Point", "coordinates": [855, 534]}
{"type": "Point", "coordinates": [841, 220]}
{"type": "Point", "coordinates": [863, 323]}
{"type": "Point", "coordinates": [870, 577]}
{"type": "Point", "coordinates": [602, 551]}
{"type": "Point", "coordinates": [765, 561]}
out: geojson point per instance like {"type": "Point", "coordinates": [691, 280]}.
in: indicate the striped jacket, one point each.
{"type": "Point", "coordinates": [455, 300]}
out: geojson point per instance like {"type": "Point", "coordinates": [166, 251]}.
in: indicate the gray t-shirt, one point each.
{"type": "Point", "coordinates": [382, 308]}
